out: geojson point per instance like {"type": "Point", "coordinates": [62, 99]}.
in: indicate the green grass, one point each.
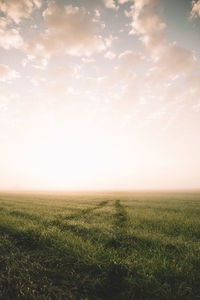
{"type": "Point", "coordinates": [92, 246]}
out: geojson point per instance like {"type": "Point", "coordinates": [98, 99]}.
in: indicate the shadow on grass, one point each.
{"type": "Point", "coordinates": [27, 239]}
{"type": "Point", "coordinates": [33, 270]}
{"type": "Point", "coordinates": [25, 215]}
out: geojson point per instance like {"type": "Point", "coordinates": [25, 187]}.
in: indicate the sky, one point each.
{"type": "Point", "coordinates": [99, 94]}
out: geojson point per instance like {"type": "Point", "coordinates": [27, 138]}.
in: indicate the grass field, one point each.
{"type": "Point", "coordinates": [103, 245]}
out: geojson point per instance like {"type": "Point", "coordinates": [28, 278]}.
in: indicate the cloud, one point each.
{"type": "Point", "coordinates": [127, 61]}
{"type": "Point", "coordinates": [87, 60]}
{"type": "Point", "coordinates": [38, 81]}
{"type": "Point", "coordinates": [169, 60]}
{"type": "Point", "coordinates": [129, 97]}
{"type": "Point", "coordinates": [70, 30]}
{"type": "Point", "coordinates": [38, 3]}
{"type": "Point", "coordinates": [9, 37]}
{"type": "Point", "coordinates": [17, 10]}
{"type": "Point", "coordinates": [178, 61]}
{"type": "Point", "coordinates": [67, 71]}
{"type": "Point", "coordinates": [110, 4]}
{"type": "Point", "coordinates": [175, 62]}
{"type": "Point", "coordinates": [145, 18]}
{"type": "Point", "coordinates": [110, 55]}
{"type": "Point", "coordinates": [36, 62]}
{"type": "Point", "coordinates": [7, 74]}
{"type": "Point", "coordinates": [41, 64]}
{"type": "Point", "coordinates": [3, 22]}
{"type": "Point", "coordinates": [195, 12]}
{"type": "Point", "coordinates": [130, 57]}
{"type": "Point", "coordinates": [124, 1]}
{"type": "Point", "coordinates": [193, 83]}
{"type": "Point", "coordinates": [113, 4]}
{"type": "Point", "coordinates": [192, 89]}
{"type": "Point", "coordinates": [147, 24]}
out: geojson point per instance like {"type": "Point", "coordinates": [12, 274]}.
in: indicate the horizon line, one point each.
{"type": "Point", "coordinates": [96, 190]}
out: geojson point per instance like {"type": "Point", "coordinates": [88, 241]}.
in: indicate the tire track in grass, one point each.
{"type": "Point", "coordinates": [120, 237]}
{"type": "Point", "coordinates": [116, 284]}
{"type": "Point", "coordinates": [121, 217]}
{"type": "Point", "coordinates": [62, 221]}
{"type": "Point", "coordinates": [31, 238]}
{"type": "Point", "coordinates": [86, 211]}
{"type": "Point", "coordinates": [116, 272]}
{"type": "Point", "coordinates": [123, 240]}
{"type": "Point", "coordinates": [91, 233]}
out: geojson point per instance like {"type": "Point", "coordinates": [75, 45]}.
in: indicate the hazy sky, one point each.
{"type": "Point", "coordinates": [99, 94]}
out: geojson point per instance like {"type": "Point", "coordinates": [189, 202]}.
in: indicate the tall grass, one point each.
{"type": "Point", "coordinates": [103, 245]}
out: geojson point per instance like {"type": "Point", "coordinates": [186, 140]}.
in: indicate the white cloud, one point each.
{"type": "Point", "coordinates": [40, 63]}
{"type": "Point", "coordinates": [169, 61]}
{"type": "Point", "coordinates": [110, 4]}
{"type": "Point", "coordinates": [172, 93]}
{"type": "Point", "coordinates": [195, 12]}
{"type": "Point", "coordinates": [3, 22]}
{"type": "Point", "coordinates": [16, 10]}
{"type": "Point", "coordinates": [7, 74]}
{"type": "Point", "coordinates": [130, 57]}
{"type": "Point", "coordinates": [178, 60]}
{"type": "Point", "coordinates": [129, 97]}
{"type": "Point", "coordinates": [148, 25]}
{"type": "Point", "coordinates": [70, 30]}
{"type": "Point", "coordinates": [192, 89]}
{"type": "Point", "coordinates": [193, 83]}
{"type": "Point", "coordinates": [38, 81]}
{"type": "Point", "coordinates": [87, 60]}
{"type": "Point", "coordinates": [124, 1]}
{"type": "Point", "coordinates": [175, 62]}
{"type": "Point", "coordinates": [68, 71]}
{"type": "Point", "coordinates": [109, 40]}
{"type": "Point", "coordinates": [38, 3]}
{"type": "Point", "coordinates": [9, 37]}
{"type": "Point", "coordinates": [127, 61]}
{"type": "Point", "coordinates": [110, 55]}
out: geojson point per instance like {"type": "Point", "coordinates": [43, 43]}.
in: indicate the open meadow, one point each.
{"type": "Point", "coordinates": [100, 245]}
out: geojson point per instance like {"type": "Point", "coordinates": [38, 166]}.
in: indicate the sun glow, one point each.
{"type": "Point", "coordinates": [71, 160]}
